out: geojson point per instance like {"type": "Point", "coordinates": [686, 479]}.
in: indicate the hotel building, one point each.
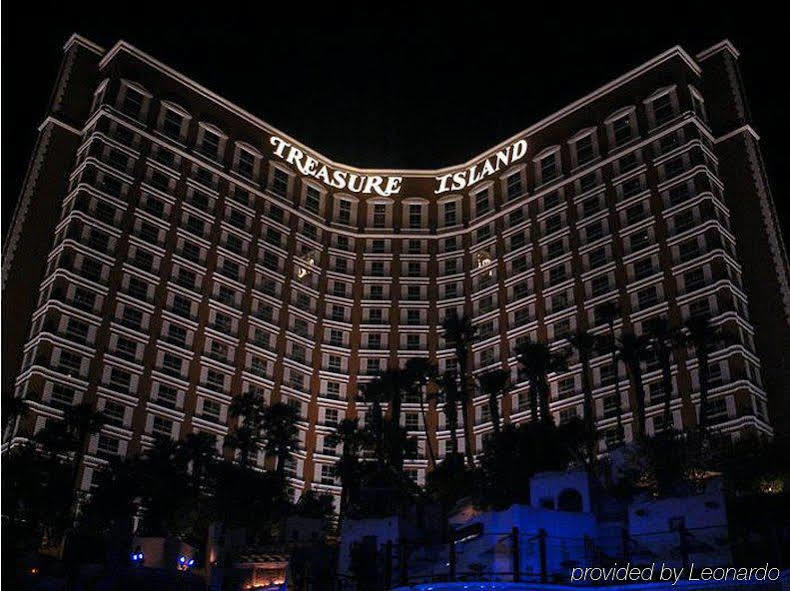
{"type": "Point", "coordinates": [170, 251]}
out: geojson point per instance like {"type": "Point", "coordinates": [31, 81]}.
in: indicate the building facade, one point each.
{"type": "Point", "coordinates": [170, 251]}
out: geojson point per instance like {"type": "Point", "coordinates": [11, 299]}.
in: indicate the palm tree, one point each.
{"type": "Point", "coordinates": [373, 394]}
{"type": "Point", "coordinates": [394, 383]}
{"type": "Point", "coordinates": [495, 384]}
{"type": "Point", "coordinates": [354, 440]}
{"type": "Point", "coordinates": [70, 437]}
{"type": "Point", "coordinates": [633, 350]}
{"type": "Point", "coordinates": [199, 450]}
{"type": "Point", "coordinates": [460, 331]}
{"type": "Point", "coordinates": [663, 341]}
{"type": "Point", "coordinates": [420, 373]}
{"type": "Point", "coordinates": [704, 337]}
{"type": "Point", "coordinates": [280, 432]}
{"type": "Point", "coordinates": [247, 436]}
{"type": "Point", "coordinates": [610, 313]}
{"type": "Point", "coordinates": [449, 390]}
{"type": "Point", "coordinates": [538, 362]}
{"type": "Point", "coordinates": [13, 408]}
{"type": "Point", "coordinates": [586, 345]}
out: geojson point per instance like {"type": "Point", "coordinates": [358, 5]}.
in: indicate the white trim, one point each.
{"type": "Point", "coordinates": [723, 45]}
{"type": "Point", "coordinates": [673, 52]}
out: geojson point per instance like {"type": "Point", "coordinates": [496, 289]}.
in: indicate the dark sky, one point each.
{"type": "Point", "coordinates": [397, 87]}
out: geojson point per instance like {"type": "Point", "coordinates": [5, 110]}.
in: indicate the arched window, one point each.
{"type": "Point", "coordinates": [569, 499]}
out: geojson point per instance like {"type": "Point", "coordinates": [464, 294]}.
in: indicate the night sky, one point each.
{"type": "Point", "coordinates": [399, 87]}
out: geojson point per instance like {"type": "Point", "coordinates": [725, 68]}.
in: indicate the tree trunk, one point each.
{"type": "Point", "coordinates": [545, 409]}
{"type": "Point", "coordinates": [452, 424]}
{"type": "Point", "coordinates": [428, 444]}
{"type": "Point", "coordinates": [533, 400]}
{"type": "Point", "coordinates": [639, 398]}
{"type": "Point", "coordinates": [618, 394]}
{"type": "Point", "coordinates": [666, 377]}
{"type": "Point", "coordinates": [493, 409]}
{"type": "Point", "coordinates": [589, 408]}
{"type": "Point", "coordinates": [703, 389]}
{"type": "Point", "coordinates": [466, 399]}
{"type": "Point", "coordinates": [467, 439]}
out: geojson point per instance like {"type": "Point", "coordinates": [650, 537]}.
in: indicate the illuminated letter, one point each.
{"type": "Point", "coordinates": [310, 164]}
{"type": "Point", "coordinates": [459, 181]}
{"type": "Point", "coordinates": [352, 177]}
{"type": "Point", "coordinates": [279, 145]}
{"type": "Point", "coordinates": [488, 168]}
{"type": "Point", "coordinates": [323, 174]}
{"type": "Point", "coordinates": [295, 156]}
{"type": "Point", "coordinates": [373, 183]}
{"type": "Point", "coordinates": [442, 183]}
{"type": "Point", "coordinates": [339, 179]}
{"type": "Point", "coordinates": [393, 185]}
{"type": "Point", "coordinates": [519, 149]}
{"type": "Point", "coordinates": [502, 157]}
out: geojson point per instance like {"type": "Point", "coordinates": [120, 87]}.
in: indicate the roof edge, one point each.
{"type": "Point", "coordinates": [77, 39]}
{"type": "Point", "coordinates": [672, 52]}
{"type": "Point", "coordinates": [723, 45]}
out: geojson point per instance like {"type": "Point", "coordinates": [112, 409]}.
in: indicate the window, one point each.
{"type": "Point", "coordinates": [643, 268]}
{"type": "Point", "coordinates": [344, 212]}
{"type": "Point", "coordinates": [548, 168]}
{"type": "Point", "coordinates": [450, 215]}
{"type": "Point", "coordinates": [594, 231]}
{"type": "Point", "coordinates": [588, 181]}
{"type": "Point", "coordinates": [415, 215]}
{"type": "Point", "coordinates": [663, 109]}
{"type": "Point", "coordinates": [330, 416]}
{"type": "Point", "coordinates": [246, 163]}
{"type": "Point", "coordinates": [631, 187]}
{"type": "Point", "coordinates": [514, 186]}
{"type": "Point", "coordinates": [312, 200]}
{"type": "Point", "coordinates": [585, 150]}
{"type": "Point", "coordinates": [379, 215]}
{"type": "Point", "coordinates": [694, 279]}
{"type": "Point", "coordinates": [132, 102]}
{"type": "Point", "coordinates": [177, 335]}
{"type": "Point", "coordinates": [553, 223]}
{"type": "Point", "coordinates": [372, 366]}
{"type": "Point", "coordinates": [162, 426]}
{"type": "Point", "coordinates": [622, 130]}
{"type": "Point", "coordinates": [566, 386]}
{"type": "Point", "coordinates": [647, 297]}
{"type": "Point", "coordinates": [639, 240]}
{"type": "Point", "coordinates": [172, 123]}
{"type": "Point", "coordinates": [597, 257]}
{"type": "Point", "coordinates": [482, 202]}
{"type": "Point", "coordinates": [280, 182]}
{"type": "Point", "coordinates": [600, 285]}
{"type": "Point", "coordinates": [698, 105]}
{"type": "Point", "coordinates": [209, 145]}
{"type": "Point", "coordinates": [211, 409]}
{"type": "Point", "coordinates": [333, 390]}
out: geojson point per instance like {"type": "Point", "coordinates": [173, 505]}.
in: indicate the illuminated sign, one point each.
{"type": "Point", "coordinates": [457, 181]}
{"type": "Point", "coordinates": [387, 186]}
{"type": "Point", "coordinates": [339, 179]}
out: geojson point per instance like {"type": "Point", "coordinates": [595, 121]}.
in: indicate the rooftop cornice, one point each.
{"type": "Point", "coordinates": [671, 53]}
{"type": "Point", "coordinates": [76, 39]}
{"type": "Point", "coordinates": [724, 45]}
